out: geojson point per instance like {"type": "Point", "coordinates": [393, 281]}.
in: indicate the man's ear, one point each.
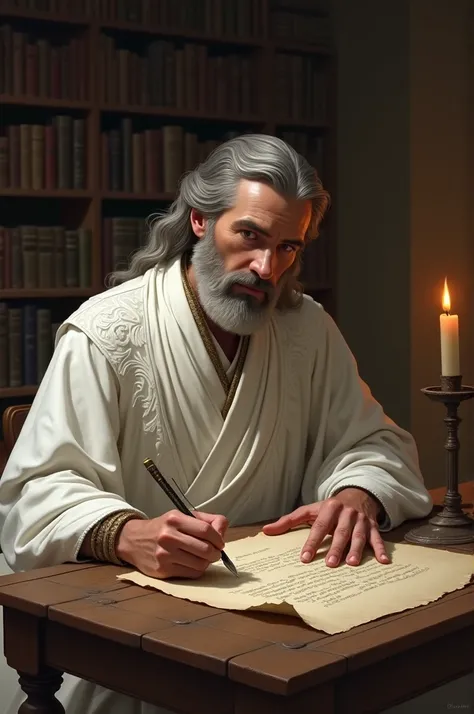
{"type": "Point", "coordinates": [198, 223]}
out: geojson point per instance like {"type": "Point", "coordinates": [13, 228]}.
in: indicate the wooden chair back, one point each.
{"type": "Point", "coordinates": [12, 422]}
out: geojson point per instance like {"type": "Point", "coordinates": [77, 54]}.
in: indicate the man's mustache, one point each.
{"type": "Point", "coordinates": [251, 280]}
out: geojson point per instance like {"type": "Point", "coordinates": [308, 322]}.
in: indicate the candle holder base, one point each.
{"type": "Point", "coordinates": [451, 526]}
{"type": "Point", "coordinates": [432, 534]}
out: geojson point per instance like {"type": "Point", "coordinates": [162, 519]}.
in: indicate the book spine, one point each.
{"type": "Point", "coordinates": [14, 156]}
{"type": "Point", "coordinates": [25, 156]}
{"type": "Point", "coordinates": [44, 75]}
{"type": "Point", "coordinates": [44, 342]}
{"type": "Point", "coordinates": [4, 162]}
{"type": "Point", "coordinates": [59, 256]}
{"type": "Point", "coordinates": [126, 154]}
{"type": "Point", "coordinates": [4, 351]}
{"type": "Point", "coordinates": [172, 156]}
{"type": "Point", "coordinates": [18, 63]}
{"type": "Point", "coordinates": [7, 38]}
{"type": "Point", "coordinates": [15, 347]}
{"type": "Point", "coordinates": [29, 345]}
{"type": "Point", "coordinates": [50, 158]}
{"type": "Point", "coordinates": [64, 151]}
{"type": "Point", "coordinates": [85, 257]}
{"type": "Point", "coordinates": [16, 259]}
{"type": "Point", "coordinates": [31, 78]}
{"type": "Point", "coordinates": [29, 245]}
{"type": "Point", "coordinates": [138, 184]}
{"type": "Point", "coordinates": [45, 257]}
{"type": "Point", "coordinates": [71, 259]}
{"type": "Point", "coordinates": [37, 156]}
{"type": "Point", "coordinates": [79, 169]}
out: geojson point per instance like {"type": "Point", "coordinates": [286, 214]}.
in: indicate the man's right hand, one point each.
{"type": "Point", "coordinates": [173, 545]}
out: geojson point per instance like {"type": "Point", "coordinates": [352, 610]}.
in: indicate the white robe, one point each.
{"type": "Point", "coordinates": [130, 378]}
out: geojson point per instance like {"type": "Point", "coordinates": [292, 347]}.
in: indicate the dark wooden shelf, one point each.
{"type": "Point", "coordinates": [301, 48]}
{"type": "Point", "coordinates": [36, 101]}
{"type": "Point", "coordinates": [176, 113]}
{"type": "Point", "coordinates": [45, 193]}
{"type": "Point", "coordinates": [25, 293]}
{"type": "Point", "coordinates": [128, 196]}
{"type": "Point", "coordinates": [17, 13]}
{"type": "Point", "coordinates": [180, 34]}
{"type": "Point", "coordinates": [26, 391]}
{"type": "Point", "coordinates": [301, 124]}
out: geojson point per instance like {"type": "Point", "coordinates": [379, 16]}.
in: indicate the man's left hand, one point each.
{"type": "Point", "coordinates": [350, 517]}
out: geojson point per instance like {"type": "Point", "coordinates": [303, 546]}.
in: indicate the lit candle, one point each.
{"type": "Point", "coordinates": [449, 326]}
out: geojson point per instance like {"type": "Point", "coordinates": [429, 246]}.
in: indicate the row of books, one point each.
{"type": "Point", "coordinates": [34, 257]}
{"type": "Point", "coordinates": [38, 156]}
{"type": "Point", "coordinates": [26, 344]}
{"type": "Point", "coordinates": [63, 7]}
{"type": "Point", "coordinates": [153, 160]}
{"type": "Point", "coordinates": [308, 145]}
{"type": "Point", "coordinates": [220, 18]}
{"type": "Point", "coordinates": [167, 74]}
{"type": "Point", "coordinates": [210, 17]}
{"type": "Point", "coordinates": [37, 67]}
{"type": "Point", "coordinates": [121, 237]}
{"type": "Point", "coordinates": [302, 88]}
{"type": "Point", "coordinates": [319, 7]}
{"type": "Point", "coordinates": [310, 29]}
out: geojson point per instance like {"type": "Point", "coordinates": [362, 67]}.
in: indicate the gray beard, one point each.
{"type": "Point", "coordinates": [240, 314]}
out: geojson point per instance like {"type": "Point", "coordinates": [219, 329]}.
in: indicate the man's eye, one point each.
{"type": "Point", "coordinates": [248, 235]}
{"type": "Point", "coordinates": [288, 247]}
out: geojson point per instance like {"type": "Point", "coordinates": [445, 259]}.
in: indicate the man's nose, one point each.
{"type": "Point", "coordinates": [262, 264]}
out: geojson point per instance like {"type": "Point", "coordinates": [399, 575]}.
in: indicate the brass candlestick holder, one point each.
{"type": "Point", "coordinates": [451, 526]}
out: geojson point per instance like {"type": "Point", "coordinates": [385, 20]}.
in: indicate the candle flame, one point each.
{"type": "Point", "coordinates": [446, 298]}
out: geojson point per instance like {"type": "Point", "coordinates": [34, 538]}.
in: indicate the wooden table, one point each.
{"type": "Point", "coordinates": [193, 658]}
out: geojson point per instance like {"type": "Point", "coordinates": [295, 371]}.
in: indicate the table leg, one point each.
{"type": "Point", "coordinates": [40, 690]}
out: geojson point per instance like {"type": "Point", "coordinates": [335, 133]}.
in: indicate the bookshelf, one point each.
{"type": "Point", "coordinates": [104, 103]}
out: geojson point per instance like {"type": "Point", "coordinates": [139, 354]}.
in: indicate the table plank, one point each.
{"type": "Point", "coordinates": [93, 579]}
{"type": "Point", "coordinates": [285, 671]}
{"type": "Point", "coordinates": [101, 615]}
{"type": "Point", "coordinates": [169, 608]}
{"type": "Point", "coordinates": [194, 645]}
{"type": "Point", "coordinates": [39, 573]}
{"type": "Point", "coordinates": [274, 629]}
{"type": "Point", "coordinates": [127, 614]}
{"type": "Point", "coordinates": [36, 596]}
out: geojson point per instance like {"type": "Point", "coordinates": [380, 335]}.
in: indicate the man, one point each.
{"type": "Point", "coordinates": [206, 357]}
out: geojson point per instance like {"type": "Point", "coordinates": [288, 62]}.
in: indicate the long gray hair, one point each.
{"type": "Point", "coordinates": [211, 189]}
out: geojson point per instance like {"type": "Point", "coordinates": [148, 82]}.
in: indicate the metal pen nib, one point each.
{"type": "Point", "coordinates": [229, 564]}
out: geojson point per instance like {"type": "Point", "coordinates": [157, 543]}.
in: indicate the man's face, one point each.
{"type": "Point", "coordinates": [241, 263]}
